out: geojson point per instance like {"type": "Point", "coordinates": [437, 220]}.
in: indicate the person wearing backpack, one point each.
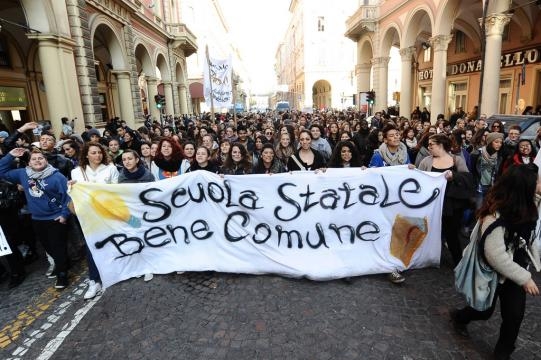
{"type": "Point", "coordinates": [510, 249]}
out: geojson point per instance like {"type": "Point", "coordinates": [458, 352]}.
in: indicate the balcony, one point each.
{"type": "Point", "coordinates": [364, 20]}
{"type": "Point", "coordinates": [182, 38]}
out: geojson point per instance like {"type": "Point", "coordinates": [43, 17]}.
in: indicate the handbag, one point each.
{"type": "Point", "coordinates": [474, 278]}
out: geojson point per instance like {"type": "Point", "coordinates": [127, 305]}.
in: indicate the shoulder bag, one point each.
{"type": "Point", "coordinates": [474, 278]}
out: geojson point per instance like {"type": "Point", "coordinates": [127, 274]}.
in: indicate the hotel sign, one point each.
{"type": "Point", "coordinates": [515, 58]}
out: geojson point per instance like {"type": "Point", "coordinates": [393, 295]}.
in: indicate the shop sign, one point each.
{"type": "Point", "coordinates": [425, 74]}
{"type": "Point", "coordinates": [12, 97]}
{"type": "Point", "coordinates": [516, 58]}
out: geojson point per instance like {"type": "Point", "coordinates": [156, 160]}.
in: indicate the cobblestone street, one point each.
{"type": "Point", "coordinates": [228, 316]}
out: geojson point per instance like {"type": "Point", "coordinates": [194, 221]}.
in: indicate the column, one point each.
{"type": "Point", "coordinates": [362, 72]}
{"type": "Point", "coordinates": [169, 106]}
{"type": "Point", "coordinates": [380, 82]}
{"type": "Point", "coordinates": [152, 91]}
{"type": "Point", "coordinates": [183, 100]}
{"type": "Point", "coordinates": [60, 79]}
{"type": "Point", "coordinates": [439, 45]}
{"type": "Point", "coordinates": [494, 25]}
{"type": "Point", "coordinates": [406, 104]}
{"type": "Point", "coordinates": [125, 96]}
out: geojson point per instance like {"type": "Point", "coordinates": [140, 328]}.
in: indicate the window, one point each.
{"type": "Point", "coordinates": [504, 105]}
{"type": "Point", "coordinates": [426, 54]}
{"type": "Point", "coordinates": [460, 42]}
{"type": "Point", "coordinates": [320, 23]}
{"type": "Point", "coordinates": [4, 55]}
{"type": "Point", "coordinates": [459, 92]}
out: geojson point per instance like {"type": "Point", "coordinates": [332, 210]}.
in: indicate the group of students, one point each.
{"type": "Point", "coordinates": [476, 167]}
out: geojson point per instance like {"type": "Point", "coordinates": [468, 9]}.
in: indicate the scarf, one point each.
{"type": "Point", "coordinates": [136, 174]}
{"type": "Point", "coordinates": [38, 175]}
{"type": "Point", "coordinates": [487, 166]}
{"type": "Point", "coordinates": [411, 143]}
{"type": "Point", "coordinates": [400, 157]}
{"type": "Point", "coordinates": [168, 165]}
{"type": "Point", "coordinates": [510, 142]}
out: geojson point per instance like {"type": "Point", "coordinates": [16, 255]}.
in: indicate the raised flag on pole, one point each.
{"type": "Point", "coordinates": [217, 78]}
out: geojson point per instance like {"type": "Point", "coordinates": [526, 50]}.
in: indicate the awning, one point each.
{"type": "Point", "coordinates": [196, 90]}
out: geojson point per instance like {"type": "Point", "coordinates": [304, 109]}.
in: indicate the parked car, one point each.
{"type": "Point", "coordinates": [528, 123]}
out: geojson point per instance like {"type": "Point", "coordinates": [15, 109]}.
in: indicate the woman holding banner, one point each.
{"type": "Point", "coordinates": [134, 171]}
{"type": "Point", "coordinates": [95, 167]}
{"type": "Point", "coordinates": [305, 158]}
{"type": "Point", "coordinates": [459, 190]}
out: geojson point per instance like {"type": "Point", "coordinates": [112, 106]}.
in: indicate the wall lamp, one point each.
{"type": "Point", "coordinates": [425, 45]}
{"type": "Point", "coordinates": [3, 22]}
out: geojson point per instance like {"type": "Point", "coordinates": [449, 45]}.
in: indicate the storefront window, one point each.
{"type": "Point", "coordinates": [505, 96]}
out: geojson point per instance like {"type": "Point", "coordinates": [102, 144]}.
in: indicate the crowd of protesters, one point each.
{"type": "Point", "coordinates": [470, 153]}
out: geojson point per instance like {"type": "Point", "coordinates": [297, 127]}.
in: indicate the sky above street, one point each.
{"type": "Point", "coordinates": [257, 27]}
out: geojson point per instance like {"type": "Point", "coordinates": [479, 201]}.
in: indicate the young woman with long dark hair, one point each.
{"type": "Point", "coordinates": [268, 161]}
{"type": "Point", "coordinates": [511, 204]}
{"type": "Point", "coordinates": [345, 154]}
{"type": "Point", "coordinates": [237, 161]}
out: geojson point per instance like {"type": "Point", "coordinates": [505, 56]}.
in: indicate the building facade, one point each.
{"type": "Point", "coordinates": [315, 60]}
{"type": "Point", "coordinates": [442, 45]}
{"type": "Point", "coordinates": [92, 60]}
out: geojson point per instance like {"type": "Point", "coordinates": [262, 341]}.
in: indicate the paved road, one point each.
{"type": "Point", "coordinates": [229, 316]}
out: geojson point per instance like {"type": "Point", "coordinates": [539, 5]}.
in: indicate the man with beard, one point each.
{"type": "Point", "coordinates": [361, 141]}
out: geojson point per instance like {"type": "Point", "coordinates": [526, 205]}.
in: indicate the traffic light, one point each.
{"type": "Point", "coordinates": [371, 97]}
{"type": "Point", "coordinates": [160, 101]}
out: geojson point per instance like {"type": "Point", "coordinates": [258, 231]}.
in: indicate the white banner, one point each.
{"type": "Point", "coordinates": [345, 222]}
{"type": "Point", "coordinates": [4, 246]}
{"type": "Point", "coordinates": [219, 73]}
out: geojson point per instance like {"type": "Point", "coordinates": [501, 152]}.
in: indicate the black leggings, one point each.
{"type": "Point", "coordinates": [450, 227]}
{"type": "Point", "coordinates": [512, 306]}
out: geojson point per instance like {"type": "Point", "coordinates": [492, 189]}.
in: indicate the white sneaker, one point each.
{"type": "Point", "coordinates": [148, 277]}
{"type": "Point", "coordinates": [94, 288]}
